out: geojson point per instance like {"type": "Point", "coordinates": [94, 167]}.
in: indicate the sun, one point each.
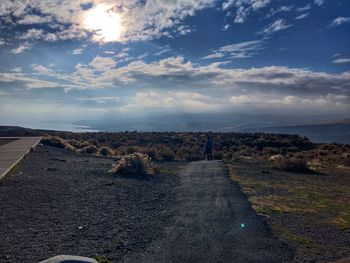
{"type": "Point", "coordinates": [105, 23]}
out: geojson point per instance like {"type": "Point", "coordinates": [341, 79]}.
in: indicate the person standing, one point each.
{"type": "Point", "coordinates": [209, 148]}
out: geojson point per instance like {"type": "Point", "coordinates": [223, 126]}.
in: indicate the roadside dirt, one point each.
{"type": "Point", "coordinates": [56, 202]}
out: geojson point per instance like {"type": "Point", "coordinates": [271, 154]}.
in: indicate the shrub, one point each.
{"type": "Point", "coordinates": [166, 154]}
{"type": "Point", "coordinates": [105, 151]}
{"type": "Point", "coordinates": [53, 141]}
{"type": "Point", "coordinates": [135, 163]}
{"type": "Point", "coordinates": [58, 142]}
{"type": "Point", "coordinates": [91, 149]}
{"type": "Point", "coordinates": [150, 151]}
{"type": "Point", "coordinates": [292, 165]}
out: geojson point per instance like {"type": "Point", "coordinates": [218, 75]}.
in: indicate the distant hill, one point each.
{"type": "Point", "coordinates": [318, 131]}
{"type": "Point", "coordinates": [15, 131]}
{"type": "Point", "coordinates": [338, 132]}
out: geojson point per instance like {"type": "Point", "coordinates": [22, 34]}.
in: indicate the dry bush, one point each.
{"type": "Point", "coordinates": [292, 165]}
{"type": "Point", "coordinates": [150, 151]}
{"type": "Point", "coordinates": [277, 158]}
{"type": "Point", "coordinates": [135, 164]}
{"type": "Point", "coordinates": [58, 142]}
{"type": "Point", "coordinates": [91, 149]}
{"type": "Point", "coordinates": [166, 154]}
{"type": "Point", "coordinates": [191, 153]}
{"type": "Point", "coordinates": [105, 151]}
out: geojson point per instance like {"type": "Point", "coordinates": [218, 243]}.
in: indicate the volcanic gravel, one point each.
{"type": "Point", "coordinates": [57, 202]}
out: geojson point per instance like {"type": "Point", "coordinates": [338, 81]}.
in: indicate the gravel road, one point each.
{"type": "Point", "coordinates": [212, 222]}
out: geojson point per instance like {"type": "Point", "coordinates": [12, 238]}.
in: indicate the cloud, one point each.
{"type": "Point", "coordinates": [101, 100]}
{"type": "Point", "coordinates": [77, 51]}
{"type": "Point", "coordinates": [41, 69]}
{"type": "Point", "coordinates": [244, 8]}
{"type": "Point", "coordinates": [34, 19]}
{"type": "Point", "coordinates": [276, 26]}
{"type": "Point", "coordinates": [33, 34]}
{"type": "Point", "coordinates": [175, 73]}
{"type": "Point", "coordinates": [154, 18]}
{"type": "Point", "coordinates": [216, 54]}
{"type": "Point", "coordinates": [225, 27]}
{"type": "Point", "coordinates": [20, 49]}
{"type": "Point", "coordinates": [319, 2]}
{"type": "Point", "coordinates": [302, 16]}
{"type": "Point", "coordinates": [304, 8]}
{"type": "Point", "coordinates": [341, 60]}
{"type": "Point", "coordinates": [339, 21]}
{"type": "Point", "coordinates": [264, 101]}
{"type": "Point", "coordinates": [174, 100]}
{"type": "Point", "coordinates": [163, 51]}
{"type": "Point", "coordinates": [238, 50]}
{"type": "Point", "coordinates": [102, 63]}
{"type": "Point", "coordinates": [279, 10]}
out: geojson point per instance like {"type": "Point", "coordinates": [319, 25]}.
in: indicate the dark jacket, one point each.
{"type": "Point", "coordinates": [209, 144]}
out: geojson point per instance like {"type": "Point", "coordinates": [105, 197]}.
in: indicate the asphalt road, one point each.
{"type": "Point", "coordinates": [213, 222]}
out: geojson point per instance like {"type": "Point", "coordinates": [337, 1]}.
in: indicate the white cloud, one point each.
{"type": "Point", "coordinates": [17, 69]}
{"type": "Point", "coordinates": [2, 42]}
{"type": "Point", "coordinates": [280, 10]}
{"type": "Point", "coordinates": [102, 63]}
{"type": "Point", "coordinates": [319, 2]}
{"type": "Point", "coordinates": [20, 49]}
{"type": "Point", "coordinates": [41, 69]}
{"type": "Point", "coordinates": [262, 101]}
{"type": "Point", "coordinates": [174, 100]}
{"type": "Point", "coordinates": [34, 19]}
{"type": "Point", "coordinates": [163, 51]}
{"type": "Point", "coordinates": [304, 8]}
{"type": "Point", "coordinates": [101, 100]}
{"type": "Point", "coordinates": [339, 21]}
{"type": "Point", "coordinates": [33, 34]}
{"type": "Point", "coordinates": [341, 60]}
{"type": "Point", "coordinates": [238, 50]}
{"type": "Point", "coordinates": [278, 25]}
{"type": "Point", "coordinates": [174, 83]}
{"type": "Point", "coordinates": [244, 8]}
{"type": "Point", "coordinates": [225, 27]}
{"type": "Point", "coordinates": [214, 55]}
{"type": "Point", "coordinates": [302, 16]}
{"type": "Point", "coordinates": [153, 18]}
{"type": "Point", "coordinates": [77, 51]}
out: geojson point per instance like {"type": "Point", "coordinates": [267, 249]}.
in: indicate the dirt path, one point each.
{"type": "Point", "coordinates": [213, 222]}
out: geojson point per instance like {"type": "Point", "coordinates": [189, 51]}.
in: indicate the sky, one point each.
{"type": "Point", "coordinates": [66, 60]}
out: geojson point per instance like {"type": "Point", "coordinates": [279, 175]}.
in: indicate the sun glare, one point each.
{"type": "Point", "coordinates": [104, 22]}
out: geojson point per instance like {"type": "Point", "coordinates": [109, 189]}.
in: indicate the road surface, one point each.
{"type": "Point", "coordinates": [213, 222]}
{"type": "Point", "coordinates": [12, 152]}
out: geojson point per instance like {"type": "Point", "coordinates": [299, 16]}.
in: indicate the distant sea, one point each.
{"type": "Point", "coordinates": [58, 127]}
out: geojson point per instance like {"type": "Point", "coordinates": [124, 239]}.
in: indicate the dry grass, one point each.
{"type": "Point", "coordinates": [292, 165]}
{"type": "Point", "coordinates": [323, 196]}
{"type": "Point", "coordinates": [310, 211]}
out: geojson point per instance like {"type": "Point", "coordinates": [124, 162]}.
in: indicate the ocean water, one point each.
{"type": "Point", "coordinates": [57, 127]}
